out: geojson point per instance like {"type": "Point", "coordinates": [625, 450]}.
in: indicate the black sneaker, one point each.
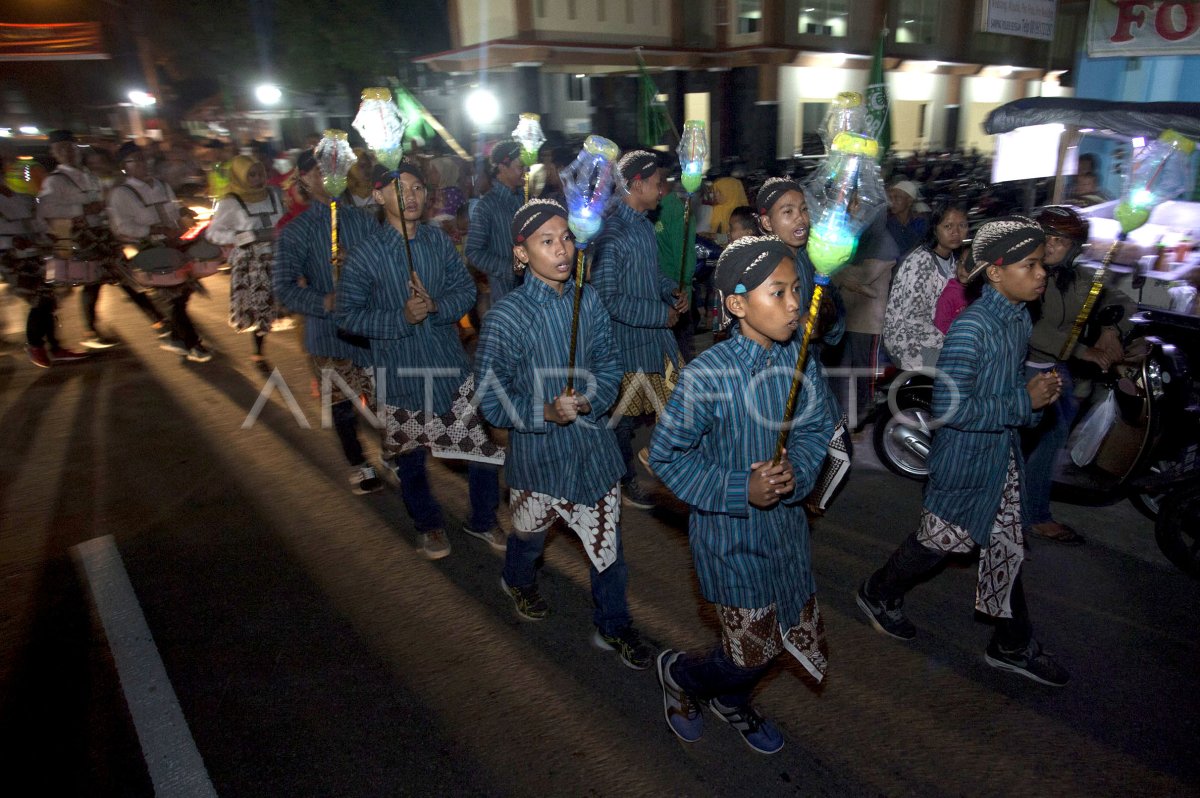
{"type": "Point", "coordinates": [530, 604]}
{"type": "Point", "coordinates": [629, 646]}
{"type": "Point", "coordinates": [1032, 662]}
{"type": "Point", "coordinates": [886, 616]}
{"type": "Point", "coordinates": [758, 732]}
{"type": "Point", "coordinates": [636, 496]}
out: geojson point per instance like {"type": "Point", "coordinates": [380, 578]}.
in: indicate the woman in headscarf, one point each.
{"type": "Point", "coordinates": [729, 194]}
{"type": "Point", "coordinates": [245, 221]}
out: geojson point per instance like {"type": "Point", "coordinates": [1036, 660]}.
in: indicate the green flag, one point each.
{"type": "Point", "coordinates": [879, 114]}
{"type": "Point", "coordinates": [653, 120]}
{"type": "Point", "coordinates": [413, 113]}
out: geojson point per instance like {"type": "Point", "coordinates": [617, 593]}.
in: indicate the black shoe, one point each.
{"type": "Point", "coordinates": [886, 616]}
{"type": "Point", "coordinates": [1032, 662]}
{"type": "Point", "coordinates": [530, 604]}
{"type": "Point", "coordinates": [629, 646]}
{"type": "Point", "coordinates": [636, 496]}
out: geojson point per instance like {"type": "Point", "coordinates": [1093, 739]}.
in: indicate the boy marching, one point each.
{"type": "Point", "coordinates": [748, 530]}
{"type": "Point", "coordinates": [563, 461]}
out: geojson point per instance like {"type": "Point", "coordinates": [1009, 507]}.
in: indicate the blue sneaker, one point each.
{"type": "Point", "coordinates": [758, 732]}
{"type": "Point", "coordinates": [683, 716]}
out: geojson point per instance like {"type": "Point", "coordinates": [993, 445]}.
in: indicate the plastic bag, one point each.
{"type": "Point", "coordinates": [1091, 432]}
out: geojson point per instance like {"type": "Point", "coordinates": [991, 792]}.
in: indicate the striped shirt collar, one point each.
{"type": "Point", "coordinates": [751, 352]}
{"type": "Point", "coordinates": [996, 302]}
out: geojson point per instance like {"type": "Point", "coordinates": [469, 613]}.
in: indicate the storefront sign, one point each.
{"type": "Point", "coordinates": [52, 42]}
{"type": "Point", "coordinates": [1143, 27]}
{"type": "Point", "coordinates": [1032, 19]}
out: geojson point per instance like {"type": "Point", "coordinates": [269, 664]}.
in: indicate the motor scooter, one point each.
{"type": "Point", "coordinates": [1147, 447]}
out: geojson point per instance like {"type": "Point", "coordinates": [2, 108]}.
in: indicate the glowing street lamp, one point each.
{"type": "Point", "coordinates": [483, 107]}
{"type": "Point", "coordinates": [141, 99]}
{"type": "Point", "coordinates": [268, 94]}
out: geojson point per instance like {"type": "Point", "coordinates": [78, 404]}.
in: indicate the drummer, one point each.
{"type": "Point", "coordinates": [70, 205]}
{"type": "Point", "coordinates": [24, 269]}
{"type": "Point", "coordinates": [142, 211]}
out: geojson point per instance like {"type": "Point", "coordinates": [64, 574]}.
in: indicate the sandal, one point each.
{"type": "Point", "coordinates": [1057, 533]}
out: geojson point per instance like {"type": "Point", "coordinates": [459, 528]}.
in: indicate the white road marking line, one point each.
{"type": "Point", "coordinates": [174, 764]}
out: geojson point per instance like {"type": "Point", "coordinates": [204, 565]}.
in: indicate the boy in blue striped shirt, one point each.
{"type": "Point", "coordinates": [563, 461]}
{"type": "Point", "coordinates": [973, 497]}
{"type": "Point", "coordinates": [409, 311]}
{"type": "Point", "coordinates": [748, 531]}
{"type": "Point", "coordinates": [488, 246]}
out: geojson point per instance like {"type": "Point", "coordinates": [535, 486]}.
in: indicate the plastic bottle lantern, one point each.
{"type": "Point", "coordinates": [334, 159]}
{"type": "Point", "coordinates": [844, 196]}
{"type": "Point", "coordinates": [529, 133]}
{"type": "Point", "coordinates": [1158, 173]}
{"type": "Point", "coordinates": [693, 149]}
{"type": "Point", "coordinates": [847, 114]}
{"type": "Point", "coordinates": [588, 185]}
{"type": "Point", "coordinates": [382, 127]}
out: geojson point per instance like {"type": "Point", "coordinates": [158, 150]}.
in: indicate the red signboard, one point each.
{"type": "Point", "coordinates": [70, 41]}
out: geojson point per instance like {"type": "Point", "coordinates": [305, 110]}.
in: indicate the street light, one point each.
{"type": "Point", "coordinates": [482, 107]}
{"type": "Point", "coordinates": [141, 99]}
{"type": "Point", "coordinates": [268, 94]}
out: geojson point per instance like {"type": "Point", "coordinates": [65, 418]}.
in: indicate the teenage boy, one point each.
{"type": "Point", "coordinates": [563, 462]}
{"type": "Point", "coordinates": [489, 243]}
{"type": "Point", "coordinates": [644, 306]}
{"type": "Point", "coordinates": [976, 470]}
{"type": "Point", "coordinates": [410, 312]}
{"type": "Point", "coordinates": [303, 279]}
{"type": "Point", "coordinates": [714, 448]}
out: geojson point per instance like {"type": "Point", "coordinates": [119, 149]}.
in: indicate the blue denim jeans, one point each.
{"type": "Point", "coordinates": [1042, 444]}
{"type": "Point", "coordinates": [483, 483]}
{"type": "Point", "coordinates": [610, 613]}
{"type": "Point", "coordinates": [713, 675]}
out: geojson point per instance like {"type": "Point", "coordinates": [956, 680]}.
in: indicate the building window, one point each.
{"type": "Point", "coordinates": [571, 9]}
{"type": "Point", "coordinates": [541, 8]}
{"type": "Point", "coordinates": [577, 88]}
{"type": "Point", "coordinates": [823, 17]}
{"type": "Point", "coordinates": [654, 12]}
{"type": "Point", "coordinates": [749, 16]}
{"type": "Point", "coordinates": [917, 21]}
{"type": "Point", "coordinates": [628, 12]}
{"type": "Point", "coordinates": [601, 11]}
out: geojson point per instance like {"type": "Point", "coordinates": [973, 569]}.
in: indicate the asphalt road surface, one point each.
{"type": "Point", "coordinates": [311, 652]}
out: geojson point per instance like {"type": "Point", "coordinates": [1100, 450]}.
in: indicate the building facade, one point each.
{"type": "Point", "coordinates": [760, 72]}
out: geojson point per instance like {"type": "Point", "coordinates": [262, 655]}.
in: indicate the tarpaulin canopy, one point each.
{"type": "Point", "coordinates": [1126, 119]}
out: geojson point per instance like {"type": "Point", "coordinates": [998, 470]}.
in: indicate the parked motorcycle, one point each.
{"type": "Point", "coordinates": [1146, 451]}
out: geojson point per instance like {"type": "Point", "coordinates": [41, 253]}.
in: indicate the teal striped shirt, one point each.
{"type": "Point", "coordinates": [418, 366]}
{"type": "Point", "coordinates": [724, 416]}
{"type": "Point", "coordinates": [521, 365]}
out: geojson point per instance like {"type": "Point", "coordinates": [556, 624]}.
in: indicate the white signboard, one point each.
{"type": "Point", "coordinates": [1143, 27]}
{"type": "Point", "coordinates": [1032, 19]}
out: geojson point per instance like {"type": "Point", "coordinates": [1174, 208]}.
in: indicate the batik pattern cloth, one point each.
{"type": "Point", "coordinates": [597, 525]}
{"type": "Point", "coordinates": [458, 434]}
{"type": "Point", "coordinates": [645, 394]}
{"type": "Point", "coordinates": [252, 305]}
{"type": "Point", "coordinates": [1000, 561]}
{"type": "Point", "coordinates": [357, 380]}
{"type": "Point", "coordinates": [752, 638]}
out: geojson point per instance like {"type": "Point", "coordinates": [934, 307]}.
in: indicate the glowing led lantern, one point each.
{"type": "Point", "coordinates": [382, 127]}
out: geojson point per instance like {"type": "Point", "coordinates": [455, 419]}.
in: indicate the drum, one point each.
{"type": "Point", "coordinates": [159, 267]}
{"type": "Point", "coordinates": [67, 271]}
{"type": "Point", "coordinates": [205, 259]}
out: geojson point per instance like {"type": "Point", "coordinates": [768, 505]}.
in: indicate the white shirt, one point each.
{"type": "Point", "coordinates": [66, 191]}
{"type": "Point", "coordinates": [16, 218]}
{"type": "Point", "coordinates": [136, 206]}
{"type": "Point", "coordinates": [230, 218]}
